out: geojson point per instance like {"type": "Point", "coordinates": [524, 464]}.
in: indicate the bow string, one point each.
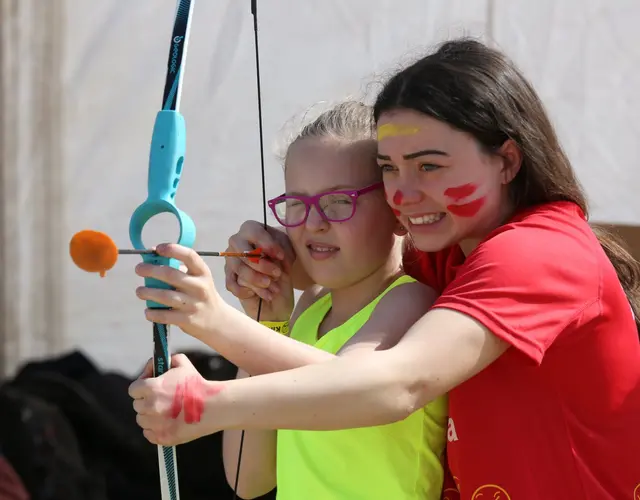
{"type": "Point", "coordinates": [254, 13]}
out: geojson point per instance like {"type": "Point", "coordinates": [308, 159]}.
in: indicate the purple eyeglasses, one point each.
{"type": "Point", "coordinates": [333, 206]}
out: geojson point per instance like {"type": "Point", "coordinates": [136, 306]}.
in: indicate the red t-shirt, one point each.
{"type": "Point", "coordinates": [557, 417]}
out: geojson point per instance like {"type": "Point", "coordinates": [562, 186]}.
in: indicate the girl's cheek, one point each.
{"type": "Point", "coordinates": [463, 200]}
{"type": "Point", "coordinates": [398, 197]}
{"type": "Point", "coordinates": [395, 211]}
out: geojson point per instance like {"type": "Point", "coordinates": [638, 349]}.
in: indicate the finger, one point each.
{"type": "Point", "coordinates": [270, 268]}
{"type": "Point", "coordinates": [238, 291]}
{"type": "Point", "coordinates": [167, 274]}
{"type": "Point", "coordinates": [140, 388]}
{"type": "Point", "coordinates": [140, 406]}
{"type": "Point", "coordinates": [252, 279]}
{"type": "Point", "coordinates": [165, 316]}
{"type": "Point", "coordinates": [252, 234]}
{"type": "Point", "coordinates": [146, 421]}
{"type": "Point", "coordinates": [180, 359]}
{"type": "Point", "coordinates": [170, 298]}
{"type": "Point", "coordinates": [263, 293]}
{"type": "Point", "coordinates": [196, 266]}
{"type": "Point", "coordinates": [150, 436]}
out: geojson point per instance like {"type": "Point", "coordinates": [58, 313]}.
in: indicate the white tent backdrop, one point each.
{"type": "Point", "coordinates": [581, 54]}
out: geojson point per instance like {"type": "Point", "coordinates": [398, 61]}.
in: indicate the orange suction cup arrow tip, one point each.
{"type": "Point", "coordinates": [93, 251]}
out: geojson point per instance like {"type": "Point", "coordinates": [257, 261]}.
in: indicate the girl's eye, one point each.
{"type": "Point", "coordinates": [429, 167]}
{"type": "Point", "coordinates": [386, 167]}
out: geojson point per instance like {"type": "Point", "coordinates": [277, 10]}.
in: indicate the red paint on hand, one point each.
{"type": "Point", "coordinates": [460, 192]}
{"type": "Point", "coordinates": [189, 397]}
{"type": "Point", "coordinates": [467, 209]}
{"type": "Point", "coordinates": [398, 197]}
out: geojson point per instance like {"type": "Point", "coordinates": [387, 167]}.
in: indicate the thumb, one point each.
{"type": "Point", "coordinates": [147, 372]}
{"type": "Point", "coordinates": [178, 360]}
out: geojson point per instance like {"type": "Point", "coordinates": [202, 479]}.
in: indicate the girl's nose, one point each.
{"type": "Point", "coordinates": [404, 195]}
{"type": "Point", "coordinates": [315, 220]}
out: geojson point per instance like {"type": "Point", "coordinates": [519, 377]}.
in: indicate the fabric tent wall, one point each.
{"type": "Point", "coordinates": [579, 54]}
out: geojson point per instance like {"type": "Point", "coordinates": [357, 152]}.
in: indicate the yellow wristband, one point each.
{"type": "Point", "coordinates": [277, 326]}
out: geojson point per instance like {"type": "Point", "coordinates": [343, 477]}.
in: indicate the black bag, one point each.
{"type": "Point", "coordinates": [39, 443]}
{"type": "Point", "coordinates": [11, 486]}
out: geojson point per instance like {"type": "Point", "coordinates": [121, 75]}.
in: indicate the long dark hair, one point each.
{"type": "Point", "coordinates": [479, 90]}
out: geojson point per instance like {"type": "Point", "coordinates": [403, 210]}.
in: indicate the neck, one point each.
{"type": "Point", "coordinates": [346, 302]}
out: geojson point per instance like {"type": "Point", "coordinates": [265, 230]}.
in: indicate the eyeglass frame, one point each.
{"type": "Point", "coordinates": [314, 200]}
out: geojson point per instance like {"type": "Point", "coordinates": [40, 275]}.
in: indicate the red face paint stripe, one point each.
{"type": "Point", "coordinates": [467, 209]}
{"type": "Point", "coordinates": [397, 197]}
{"type": "Point", "coordinates": [396, 212]}
{"type": "Point", "coordinates": [460, 192]}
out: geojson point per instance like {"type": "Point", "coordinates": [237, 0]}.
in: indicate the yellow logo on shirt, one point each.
{"type": "Point", "coordinates": [490, 492]}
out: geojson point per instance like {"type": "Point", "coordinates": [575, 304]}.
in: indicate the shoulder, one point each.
{"type": "Point", "coordinates": [413, 297]}
{"type": "Point", "coordinates": [552, 241]}
{"type": "Point", "coordinates": [531, 278]}
{"type": "Point", "coordinates": [393, 315]}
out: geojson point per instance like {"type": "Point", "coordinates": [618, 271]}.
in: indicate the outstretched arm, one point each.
{"type": "Point", "coordinates": [442, 350]}
{"type": "Point", "coordinates": [258, 350]}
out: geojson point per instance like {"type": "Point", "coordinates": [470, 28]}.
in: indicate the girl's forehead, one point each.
{"type": "Point", "coordinates": [312, 163]}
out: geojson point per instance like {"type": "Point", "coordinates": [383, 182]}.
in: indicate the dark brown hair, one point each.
{"type": "Point", "coordinates": [480, 91]}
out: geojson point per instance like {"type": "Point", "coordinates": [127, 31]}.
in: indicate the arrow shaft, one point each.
{"type": "Point", "coordinates": [127, 251]}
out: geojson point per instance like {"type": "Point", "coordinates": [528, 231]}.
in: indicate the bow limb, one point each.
{"type": "Point", "coordinates": [166, 162]}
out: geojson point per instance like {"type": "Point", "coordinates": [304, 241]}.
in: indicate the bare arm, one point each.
{"type": "Point", "coordinates": [258, 465]}
{"type": "Point", "coordinates": [258, 350]}
{"type": "Point", "coordinates": [442, 350]}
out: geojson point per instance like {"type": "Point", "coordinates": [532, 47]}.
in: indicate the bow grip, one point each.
{"type": "Point", "coordinates": [165, 167]}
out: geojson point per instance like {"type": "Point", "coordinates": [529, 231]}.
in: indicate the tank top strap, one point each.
{"type": "Point", "coordinates": [306, 326]}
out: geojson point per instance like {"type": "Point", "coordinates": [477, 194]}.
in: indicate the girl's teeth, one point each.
{"type": "Point", "coordinates": [323, 249]}
{"type": "Point", "coordinates": [426, 219]}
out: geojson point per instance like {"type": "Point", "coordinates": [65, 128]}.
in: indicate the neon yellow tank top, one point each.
{"type": "Point", "coordinates": [399, 461]}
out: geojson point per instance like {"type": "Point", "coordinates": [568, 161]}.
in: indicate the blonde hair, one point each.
{"type": "Point", "coordinates": [348, 121]}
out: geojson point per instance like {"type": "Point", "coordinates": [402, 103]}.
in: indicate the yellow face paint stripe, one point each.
{"type": "Point", "coordinates": [391, 130]}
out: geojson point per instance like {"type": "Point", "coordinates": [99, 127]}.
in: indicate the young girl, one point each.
{"type": "Point", "coordinates": [349, 241]}
{"type": "Point", "coordinates": [533, 335]}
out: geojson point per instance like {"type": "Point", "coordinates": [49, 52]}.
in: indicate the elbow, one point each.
{"type": "Point", "coordinates": [246, 490]}
{"type": "Point", "coordinates": [253, 483]}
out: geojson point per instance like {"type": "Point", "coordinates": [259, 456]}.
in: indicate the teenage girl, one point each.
{"type": "Point", "coordinates": [533, 335]}
{"type": "Point", "coordinates": [350, 243]}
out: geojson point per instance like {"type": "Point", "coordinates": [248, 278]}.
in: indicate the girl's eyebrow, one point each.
{"type": "Point", "coordinates": [338, 187]}
{"type": "Point", "coordinates": [417, 154]}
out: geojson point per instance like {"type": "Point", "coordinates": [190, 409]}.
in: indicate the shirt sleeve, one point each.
{"type": "Point", "coordinates": [432, 268]}
{"type": "Point", "coordinates": [527, 285]}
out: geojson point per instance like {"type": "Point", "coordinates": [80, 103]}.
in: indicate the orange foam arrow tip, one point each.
{"type": "Point", "coordinates": [93, 251]}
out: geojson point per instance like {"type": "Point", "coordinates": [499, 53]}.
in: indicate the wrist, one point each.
{"type": "Point", "coordinates": [218, 407]}
{"type": "Point", "coordinates": [277, 326]}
